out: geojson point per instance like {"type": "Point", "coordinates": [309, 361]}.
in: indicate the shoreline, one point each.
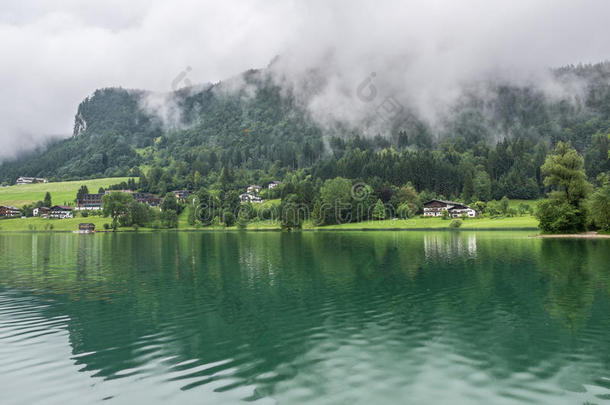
{"type": "Point", "coordinates": [582, 235]}
{"type": "Point", "coordinates": [322, 229]}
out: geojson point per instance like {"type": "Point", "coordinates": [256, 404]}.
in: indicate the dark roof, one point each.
{"type": "Point", "coordinates": [61, 207]}
{"type": "Point", "coordinates": [447, 202]}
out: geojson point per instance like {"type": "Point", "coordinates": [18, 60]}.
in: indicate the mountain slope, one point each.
{"type": "Point", "coordinates": [251, 123]}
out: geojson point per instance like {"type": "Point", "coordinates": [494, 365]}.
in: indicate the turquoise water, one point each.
{"type": "Point", "coordinates": [304, 318]}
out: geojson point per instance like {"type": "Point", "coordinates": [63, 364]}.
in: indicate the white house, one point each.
{"type": "Point", "coordinates": [253, 189]}
{"type": "Point", "coordinates": [61, 212]}
{"type": "Point", "coordinates": [435, 208]}
{"type": "Point", "coordinates": [247, 197]}
{"type": "Point", "coordinates": [31, 180]}
{"type": "Point", "coordinates": [273, 184]}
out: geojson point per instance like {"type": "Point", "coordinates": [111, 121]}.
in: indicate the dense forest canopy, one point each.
{"type": "Point", "coordinates": [485, 148]}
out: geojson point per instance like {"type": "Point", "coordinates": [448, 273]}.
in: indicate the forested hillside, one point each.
{"type": "Point", "coordinates": [488, 147]}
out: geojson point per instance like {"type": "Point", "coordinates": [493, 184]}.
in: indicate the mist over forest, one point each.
{"type": "Point", "coordinates": [495, 132]}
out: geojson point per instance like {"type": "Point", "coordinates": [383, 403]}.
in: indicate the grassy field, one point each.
{"type": "Point", "coordinates": [43, 224]}
{"type": "Point", "coordinates": [62, 193]}
{"type": "Point", "coordinates": [524, 222]}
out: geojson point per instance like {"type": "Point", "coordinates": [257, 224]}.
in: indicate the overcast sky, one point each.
{"type": "Point", "coordinates": [55, 53]}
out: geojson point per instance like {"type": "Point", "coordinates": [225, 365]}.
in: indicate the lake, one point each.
{"type": "Point", "coordinates": [303, 318]}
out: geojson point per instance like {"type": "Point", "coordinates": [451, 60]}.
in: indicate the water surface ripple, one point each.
{"type": "Point", "coordinates": [311, 318]}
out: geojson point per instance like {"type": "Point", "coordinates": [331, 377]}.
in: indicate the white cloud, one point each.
{"type": "Point", "coordinates": [57, 53]}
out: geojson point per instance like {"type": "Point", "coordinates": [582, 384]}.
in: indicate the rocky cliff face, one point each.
{"type": "Point", "coordinates": [80, 125]}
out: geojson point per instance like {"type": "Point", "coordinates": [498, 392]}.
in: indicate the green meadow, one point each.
{"type": "Point", "coordinates": [523, 222]}
{"type": "Point", "coordinates": [526, 222]}
{"type": "Point", "coordinates": [62, 192]}
{"type": "Point", "coordinates": [43, 224]}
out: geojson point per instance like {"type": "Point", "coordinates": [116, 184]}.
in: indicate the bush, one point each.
{"type": "Point", "coordinates": [243, 216]}
{"type": "Point", "coordinates": [524, 209]}
{"type": "Point", "coordinates": [405, 211]}
{"type": "Point", "coordinates": [84, 214]}
{"type": "Point", "coordinates": [169, 218]}
{"type": "Point", "coordinates": [445, 214]}
{"type": "Point", "coordinates": [228, 218]}
{"type": "Point", "coordinates": [106, 226]}
{"type": "Point", "coordinates": [479, 206]}
{"type": "Point", "coordinates": [504, 203]}
{"type": "Point", "coordinates": [557, 216]}
{"type": "Point", "coordinates": [456, 223]}
{"type": "Point", "coordinates": [242, 223]}
{"type": "Point", "coordinates": [267, 212]}
{"type": "Point", "coordinates": [493, 208]}
{"type": "Point", "coordinates": [599, 208]}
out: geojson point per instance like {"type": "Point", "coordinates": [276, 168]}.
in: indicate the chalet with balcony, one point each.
{"type": "Point", "coordinates": [89, 202]}
{"type": "Point", "coordinates": [435, 208]}
{"type": "Point", "coordinates": [9, 212]}
{"type": "Point", "coordinates": [61, 212]}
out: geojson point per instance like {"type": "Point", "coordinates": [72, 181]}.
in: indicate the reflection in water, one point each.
{"type": "Point", "coordinates": [449, 244]}
{"type": "Point", "coordinates": [368, 317]}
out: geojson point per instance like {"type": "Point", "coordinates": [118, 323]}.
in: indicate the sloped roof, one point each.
{"type": "Point", "coordinates": [447, 202]}
{"type": "Point", "coordinates": [61, 207]}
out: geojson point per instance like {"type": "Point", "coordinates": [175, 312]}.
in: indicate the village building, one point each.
{"type": "Point", "coordinates": [86, 228]}
{"type": "Point", "coordinates": [181, 195]}
{"type": "Point", "coordinates": [435, 208]}
{"type": "Point", "coordinates": [42, 212]}
{"type": "Point", "coordinates": [89, 202]}
{"type": "Point", "coordinates": [31, 180]}
{"type": "Point", "coordinates": [147, 198]}
{"type": "Point", "coordinates": [273, 184]}
{"type": "Point", "coordinates": [9, 212]}
{"type": "Point", "coordinates": [61, 212]}
{"type": "Point", "coordinates": [252, 198]}
{"type": "Point", "coordinates": [253, 189]}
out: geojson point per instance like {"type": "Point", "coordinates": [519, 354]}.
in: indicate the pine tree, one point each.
{"type": "Point", "coordinates": [379, 211]}
{"type": "Point", "coordinates": [47, 200]}
{"type": "Point", "coordinates": [81, 192]}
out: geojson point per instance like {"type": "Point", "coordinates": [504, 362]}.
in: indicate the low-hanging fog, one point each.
{"type": "Point", "coordinates": [418, 54]}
